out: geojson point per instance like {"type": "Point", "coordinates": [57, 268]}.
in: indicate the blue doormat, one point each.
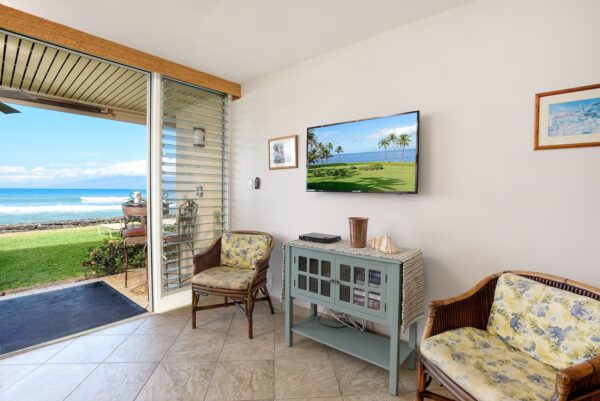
{"type": "Point", "coordinates": [35, 319]}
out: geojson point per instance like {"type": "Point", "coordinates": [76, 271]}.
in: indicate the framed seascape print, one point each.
{"type": "Point", "coordinates": [568, 118]}
{"type": "Point", "coordinates": [283, 152]}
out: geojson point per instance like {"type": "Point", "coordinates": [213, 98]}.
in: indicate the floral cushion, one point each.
{"type": "Point", "coordinates": [243, 250]}
{"type": "Point", "coordinates": [487, 368]}
{"type": "Point", "coordinates": [231, 278]}
{"type": "Point", "coordinates": [554, 326]}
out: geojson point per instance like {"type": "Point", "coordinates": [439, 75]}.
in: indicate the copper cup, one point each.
{"type": "Point", "coordinates": [358, 231]}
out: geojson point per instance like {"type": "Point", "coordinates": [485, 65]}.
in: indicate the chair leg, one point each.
{"type": "Point", "coordinates": [249, 311]}
{"type": "Point", "coordinates": [421, 382]}
{"type": "Point", "coordinates": [195, 298]}
{"type": "Point", "coordinates": [126, 264]}
{"type": "Point", "coordinates": [268, 297]}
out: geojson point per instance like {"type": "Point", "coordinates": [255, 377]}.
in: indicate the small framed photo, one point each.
{"type": "Point", "coordinates": [283, 152]}
{"type": "Point", "coordinates": [567, 118]}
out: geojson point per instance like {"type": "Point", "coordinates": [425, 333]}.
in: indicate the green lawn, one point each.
{"type": "Point", "coordinates": [394, 176]}
{"type": "Point", "coordinates": [37, 257]}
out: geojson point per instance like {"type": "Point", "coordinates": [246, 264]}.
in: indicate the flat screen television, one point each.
{"type": "Point", "coordinates": [378, 154]}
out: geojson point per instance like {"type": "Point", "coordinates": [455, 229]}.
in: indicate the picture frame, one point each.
{"type": "Point", "coordinates": [567, 118]}
{"type": "Point", "coordinates": [283, 152]}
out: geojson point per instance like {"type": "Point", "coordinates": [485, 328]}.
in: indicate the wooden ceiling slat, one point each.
{"type": "Point", "coordinates": [109, 84]}
{"type": "Point", "coordinates": [63, 72]}
{"type": "Point", "coordinates": [80, 78]}
{"type": "Point", "coordinates": [69, 76]}
{"type": "Point", "coordinates": [114, 85]}
{"type": "Point", "coordinates": [8, 64]}
{"type": "Point", "coordinates": [93, 87]}
{"type": "Point", "coordinates": [22, 63]}
{"type": "Point", "coordinates": [141, 87]}
{"type": "Point", "coordinates": [129, 85]}
{"type": "Point", "coordinates": [55, 63]}
{"type": "Point", "coordinates": [96, 70]}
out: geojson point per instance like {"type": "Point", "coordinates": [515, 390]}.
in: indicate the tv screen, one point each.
{"type": "Point", "coordinates": [372, 155]}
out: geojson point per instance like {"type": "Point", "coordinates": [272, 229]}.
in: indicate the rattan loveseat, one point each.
{"type": "Point", "coordinates": [515, 336]}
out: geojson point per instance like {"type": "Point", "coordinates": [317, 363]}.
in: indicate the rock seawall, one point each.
{"type": "Point", "coordinates": [54, 225]}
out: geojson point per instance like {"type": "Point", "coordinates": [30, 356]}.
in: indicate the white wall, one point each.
{"type": "Point", "coordinates": [487, 201]}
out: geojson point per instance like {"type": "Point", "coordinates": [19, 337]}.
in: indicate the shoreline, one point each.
{"type": "Point", "coordinates": [55, 225]}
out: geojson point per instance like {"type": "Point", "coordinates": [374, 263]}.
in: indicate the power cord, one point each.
{"type": "Point", "coordinates": [344, 319]}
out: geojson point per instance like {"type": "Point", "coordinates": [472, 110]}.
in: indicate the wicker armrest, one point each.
{"type": "Point", "coordinates": [209, 258]}
{"type": "Point", "coordinates": [470, 309]}
{"type": "Point", "coordinates": [578, 379]}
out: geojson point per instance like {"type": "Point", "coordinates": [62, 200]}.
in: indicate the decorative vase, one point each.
{"type": "Point", "coordinates": [358, 231]}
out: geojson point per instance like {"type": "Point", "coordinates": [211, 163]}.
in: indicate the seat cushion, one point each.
{"type": "Point", "coordinates": [487, 368]}
{"type": "Point", "coordinates": [226, 277]}
{"type": "Point", "coordinates": [554, 326]}
{"type": "Point", "coordinates": [243, 250]}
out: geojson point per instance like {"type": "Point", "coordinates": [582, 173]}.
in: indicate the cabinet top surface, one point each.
{"type": "Point", "coordinates": [343, 247]}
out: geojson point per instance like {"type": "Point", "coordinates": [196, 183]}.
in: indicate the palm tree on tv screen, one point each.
{"type": "Point", "coordinates": [384, 143]}
{"type": "Point", "coordinates": [403, 142]}
{"type": "Point", "coordinates": [339, 150]}
{"type": "Point", "coordinates": [393, 139]}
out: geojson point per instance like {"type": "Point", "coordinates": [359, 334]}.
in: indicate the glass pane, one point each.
{"type": "Point", "coordinates": [374, 301]}
{"type": "Point", "coordinates": [359, 275]}
{"type": "Point", "coordinates": [194, 191]}
{"type": "Point", "coordinates": [302, 282]}
{"type": "Point", "coordinates": [359, 297]}
{"type": "Point", "coordinates": [325, 268]}
{"type": "Point", "coordinates": [313, 285]}
{"type": "Point", "coordinates": [325, 288]}
{"type": "Point", "coordinates": [345, 273]}
{"type": "Point", "coordinates": [374, 278]}
{"type": "Point", "coordinates": [314, 266]}
{"type": "Point", "coordinates": [302, 263]}
{"type": "Point", "coordinates": [345, 293]}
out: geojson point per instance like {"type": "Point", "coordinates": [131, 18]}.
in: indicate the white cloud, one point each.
{"type": "Point", "coordinates": [409, 129]}
{"type": "Point", "coordinates": [39, 174]}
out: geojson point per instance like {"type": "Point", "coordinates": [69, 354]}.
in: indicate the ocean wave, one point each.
{"type": "Point", "coordinates": [57, 209]}
{"type": "Point", "coordinates": [103, 199]}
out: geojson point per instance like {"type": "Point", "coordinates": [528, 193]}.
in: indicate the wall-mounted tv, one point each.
{"type": "Point", "coordinates": [372, 155]}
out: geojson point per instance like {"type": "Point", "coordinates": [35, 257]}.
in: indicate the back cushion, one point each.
{"type": "Point", "coordinates": [243, 250]}
{"type": "Point", "coordinates": [553, 326]}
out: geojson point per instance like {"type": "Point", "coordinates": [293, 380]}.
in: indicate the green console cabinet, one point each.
{"type": "Point", "coordinates": [362, 283]}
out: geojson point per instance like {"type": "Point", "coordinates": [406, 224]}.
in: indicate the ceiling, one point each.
{"type": "Point", "coordinates": [234, 39]}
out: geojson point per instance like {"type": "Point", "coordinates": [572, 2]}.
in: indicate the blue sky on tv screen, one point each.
{"type": "Point", "coordinates": [363, 136]}
{"type": "Point", "coordinates": [44, 149]}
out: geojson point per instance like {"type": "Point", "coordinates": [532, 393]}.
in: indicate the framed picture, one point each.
{"type": "Point", "coordinates": [567, 118]}
{"type": "Point", "coordinates": [283, 152]}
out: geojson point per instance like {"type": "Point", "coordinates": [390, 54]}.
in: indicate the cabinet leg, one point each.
{"type": "Point", "coordinates": [412, 343]}
{"type": "Point", "coordinates": [395, 345]}
{"type": "Point", "coordinates": [289, 320]}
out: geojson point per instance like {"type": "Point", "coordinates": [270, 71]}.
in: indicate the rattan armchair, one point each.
{"type": "Point", "coordinates": [243, 299]}
{"type": "Point", "coordinates": [472, 309]}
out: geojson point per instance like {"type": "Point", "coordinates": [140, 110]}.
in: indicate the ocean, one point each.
{"type": "Point", "coordinates": [410, 155]}
{"type": "Point", "coordinates": [19, 206]}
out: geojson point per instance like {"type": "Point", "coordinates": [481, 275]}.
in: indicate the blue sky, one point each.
{"type": "Point", "coordinates": [363, 136]}
{"type": "Point", "coordinates": [45, 147]}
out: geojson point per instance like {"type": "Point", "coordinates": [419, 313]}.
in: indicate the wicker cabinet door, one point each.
{"type": "Point", "coordinates": [361, 286]}
{"type": "Point", "coordinates": [313, 274]}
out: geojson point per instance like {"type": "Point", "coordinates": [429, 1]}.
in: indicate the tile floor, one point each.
{"type": "Point", "coordinates": [160, 357]}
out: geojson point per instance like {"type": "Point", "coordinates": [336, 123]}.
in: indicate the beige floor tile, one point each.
{"type": "Point", "coordinates": [302, 346]}
{"type": "Point", "coordinates": [37, 356]}
{"type": "Point", "coordinates": [48, 383]}
{"type": "Point", "coordinates": [408, 379]}
{"type": "Point", "coordinates": [9, 374]}
{"type": "Point", "coordinates": [358, 377]}
{"type": "Point", "coordinates": [119, 329]}
{"type": "Point", "coordinates": [178, 381]}
{"type": "Point", "coordinates": [304, 377]}
{"type": "Point", "coordinates": [204, 345]}
{"type": "Point", "coordinates": [163, 324]}
{"type": "Point", "coordinates": [113, 382]}
{"type": "Point", "coordinates": [142, 348]}
{"type": "Point", "coordinates": [410, 396]}
{"type": "Point", "coordinates": [313, 399]}
{"type": "Point", "coordinates": [210, 319]}
{"type": "Point", "coordinates": [88, 349]}
{"type": "Point", "coordinates": [261, 324]}
{"type": "Point", "coordinates": [239, 347]}
{"type": "Point", "coordinates": [242, 380]}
